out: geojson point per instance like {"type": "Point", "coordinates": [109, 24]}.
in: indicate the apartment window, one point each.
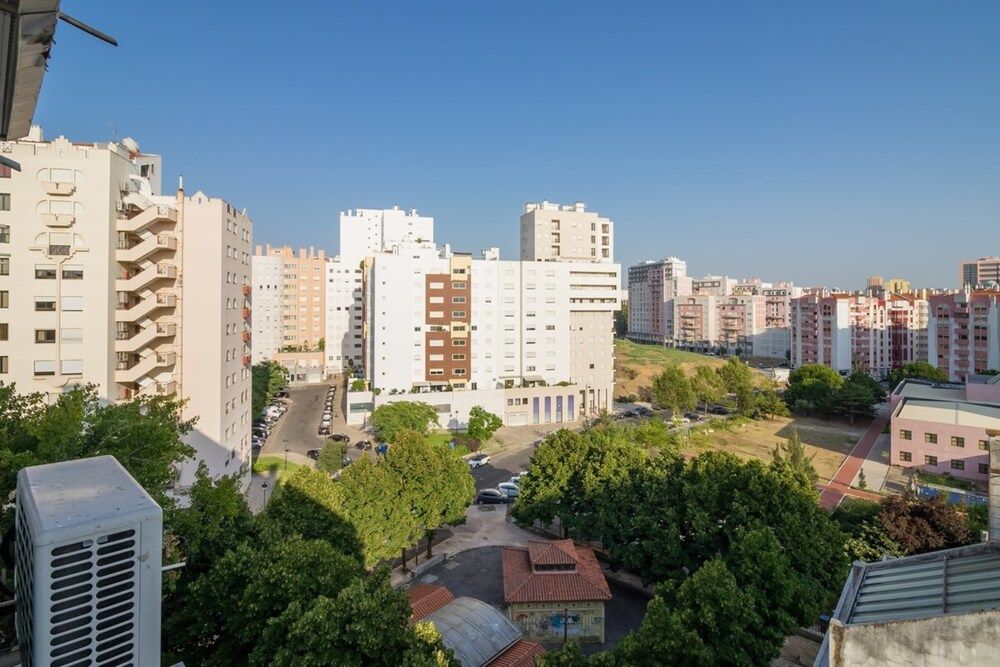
{"type": "Point", "coordinates": [72, 366]}
{"type": "Point", "coordinates": [436, 314]}
{"type": "Point", "coordinates": [72, 272]}
{"type": "Point", "coordinates": [45, 271]}
{"type": "Point", "coordinates": [458, 357]}
{"type": "Point", "coordinates": [436, 372]}
{"type": "Point", "coordinates": [4, 234]}
{"type": "Point", "coordinates": [930, 460]}
{"type": "Point", "coordinates": [984, 445]}
{"type": "Point", "coordinates": [71, 335]}
{"type": "Point", "coordinates": [436, 299]}
{"type": "Point", "coordinates": [905, 456]}
{"type": "Point", "coordinates": [4, 364]}
{"type": "Point", "coordinates": [436, 357]}
{"type": "Point", "coordinates": [931, 438]}
{"type": "Point", "coordinates": [45, 335]}
{"type": "Point", "coordinates": [458, 342]}
{"type": "Point", "coordinates": [458, 299]}
{"type": "Point", "coordinates": [984, 468]}
{"type": "Point", "coordinates": [45, 368]}
{"type": "Point", "coordinates": [4, 201]}
{"type": "Point", "coordinates": [44, 304]}
{"type": "Point", "coordinates": [459, 284]}
{"type": "Point", "coordinates": [905, 435]}
{"type": "Point", "coordinates": [458, 313]}
{"type": "Point", "coordinates": [433, 343]}
{"type": "Point", "coordinates": [4, 331]}
{"type": "Point", "coordinates": [4, 266]}
{"type": "Point", "coordinates": [436, 285]}
{"type": "Point", "coordinates": [957, 464]}
{"type": "Point", "coordinates": [957, 441]}
{"type": "Point", "coordinates": [459, 371]}
{"type": "Point", "coordinates": [72, 304]}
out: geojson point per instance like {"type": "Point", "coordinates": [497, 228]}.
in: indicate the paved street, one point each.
{"type": "Point", "coordinates": [840, 485]}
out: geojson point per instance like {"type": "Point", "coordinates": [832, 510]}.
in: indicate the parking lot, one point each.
{"type": "Point", "coordinates": [298, 430]}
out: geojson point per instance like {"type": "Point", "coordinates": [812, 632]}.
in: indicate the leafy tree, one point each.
{"type": "Point", "coordinates": [769, 404]}
{"type": "Point", "coordinates": [865, 380]}
{"type": "Point", "coordinates": [331, 457]}
{"type": "Point", "coordinates": [358, 385]}
{"type": "Point", "coordinates": [854, 398]}
{"type": "Point", "coordinates": [482, 424]}
{"type": "Point", "coordinates": [145, 435]}
{"type": "Point", "coordinates": [707, 385]}
{"type": "Point", "coordinates": [266, 379]}
{"type": "Point", "coordinates": [871, 542]}
{"type": "Point", "coordinates": [321, 345]}
{"type": "Point", "coordinates": [920, 370]}
{"type": "Point", "coordinates": [306, 503]}
{"type": "Point", "coordinates": [391, 419]}
{"type": "Point", "coordinates": [853, 513]}
{"type": "Point", "coordinates": [862, 480]}
{"type": "Point", "coordinates": [791, 457]}
{"type": "Point", "coordinates": [372, 498]}
{"type": "Point", "coordinates": [813, 386]}
{"type": "Point", "coordinates": [672, 390]}
{"type": "Point", "coordinates": [920, 525]}
{"type": "Point", "coordinates": [737, 379]}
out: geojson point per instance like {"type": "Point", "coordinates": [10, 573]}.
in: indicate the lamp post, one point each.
{"type": "Point", "coordinates": [286, 455]}
{"type": "Point", "coordinates": [265, 485]}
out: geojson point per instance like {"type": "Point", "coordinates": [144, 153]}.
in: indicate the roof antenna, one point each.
{"type": "Point", "coordinates": [80, 25]}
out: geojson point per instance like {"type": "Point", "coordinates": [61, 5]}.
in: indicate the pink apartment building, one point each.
{"type": "Point", "coordinates": [980, 271]}
{"type": "Point", "coordinates": [963, 332]}
{"type": "Point", "coordinates": [944, 427]}
{"type": "Point", "coordinates": [652, 288]}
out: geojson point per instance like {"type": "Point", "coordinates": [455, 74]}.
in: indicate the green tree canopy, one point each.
{"type": "Point", "coordinates": [813, 386]}
{"type": "Point", "coordinates": [920, 370]}
{"type": "Point", "coordinates": [391, 419]}
{"type": "Point", "coordinates": [737, 379]}
{"type": "Point", "coordinates": [791, 457]}
{"type": "Point", "coordinates": [672, 390]}
{"type": "Point", "coordinates": [266, 379]}
{"type": "Point", "coordinates": [331, 457]}
{"type": "Point", "coordinates": [482, 424]}
{"type": "Point", "coordinates": [707, 385]}
{"type": "Point", "coordinates": [372, 498]}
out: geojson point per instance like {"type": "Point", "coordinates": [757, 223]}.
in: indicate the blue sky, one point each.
{"type": "Point", "coordinates": [817, 142]}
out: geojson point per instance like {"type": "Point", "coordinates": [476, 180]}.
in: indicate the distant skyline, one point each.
{"type": "Point", "coordinates": [814, 143]}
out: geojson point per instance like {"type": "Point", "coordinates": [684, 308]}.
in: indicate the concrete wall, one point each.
{"type": "Point", "coordinates": [944, 641]}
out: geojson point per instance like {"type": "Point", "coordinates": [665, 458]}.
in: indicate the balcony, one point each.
{"type": "Point", "coordinates": [58, 219]}
{"type": "Point", "coordinates": [146, 217]}
{"type": "Point", "coordinates": [137, 311]}
{"type": "Point", "coordinates": [57, 188]}
{"type": "Point", "coordinates": [131, 372]}
{"type": "Point", "coordinates": [246, 313]}
{"type": "Point", "coordinates": [146, 276]}
{"type": "Point", "coordinates": [246, 337]}
{"type": "Point", "coordinates": [246, 290]}
{"type": "Point", "coordinates": [143, 338]}
{"type": "Point", "coordinates": [134, 253]}
{"type": "Point", "coordinates": [246, 359]}
{"type": "Point", "coordinates": [158, 389]}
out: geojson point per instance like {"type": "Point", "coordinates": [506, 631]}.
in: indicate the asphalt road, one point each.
{"type": "Point", "coordinates": [502, 467]}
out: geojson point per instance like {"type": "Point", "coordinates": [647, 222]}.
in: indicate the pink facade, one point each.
{"type": "Point", "coordinates": [963, 335]}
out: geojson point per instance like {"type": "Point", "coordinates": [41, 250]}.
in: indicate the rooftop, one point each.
{"type": "Point", "coordinates": [575, 573]}
{"type": "Point", "coordinates": [475, 631]}
{"type": "Point", "coordinates": [940, 391]}
{"type": "Point", "coordinates": [958, 413]}
{"type": "Point", "coordinates": [426, 599]}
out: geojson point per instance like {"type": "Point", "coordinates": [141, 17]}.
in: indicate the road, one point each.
{"type": "Point", "coordinates": [502, 467]}
{"type": "Point", "coordinates": [298, 429]}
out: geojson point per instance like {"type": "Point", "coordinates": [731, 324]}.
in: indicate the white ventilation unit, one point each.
{"type": "Point", "coordinates": [87, 566]}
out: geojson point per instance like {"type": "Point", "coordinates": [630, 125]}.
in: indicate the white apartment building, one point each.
{"type": "Point", "coordinates": [556, 232]}
{"type": "Point", "coordinates": [92, 288]}
{"type": "Point", "coordinates": [268, 299]}
{"type": "Point", "coordinates": [529, 340]}
{"type": "Point", "coordinates": [652, 288]}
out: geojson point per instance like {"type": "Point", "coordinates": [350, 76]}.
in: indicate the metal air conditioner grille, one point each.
{"type": "Point", "coordinates": [92, 603]}
{"type": "Point", "coordinates": [24, 589]}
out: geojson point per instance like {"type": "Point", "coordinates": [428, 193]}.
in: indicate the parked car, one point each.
{"type": "Point", "coordinates": [643, 411]}
{"type": "Point", "coordinates": [340, 437]}
{"type": "Point", "coordinates": [282, 393]}
{"type": "Point", "coordinates": [313, 454]}
{"type": "Point", "coordinates": [479, 460]}
{"type": "Point", "coordinates": [518, 478]}
{"type": "Point", "coordinates": [693, 416]}
{"type": "Point", "coordinates": [719, 410]}
{"type": "Point", "coordinates": [363, 444]}
{"type": "Point", "coordinates": [323, 429]}
{"type": "Point", "coordinates": [629, 413]}
{"type": "Point", "coordinates": [508, 489]}
{"type": "Point", "coordinates": [491, 497]}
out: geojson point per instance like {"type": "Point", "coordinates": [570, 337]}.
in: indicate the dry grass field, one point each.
{"type": "Point", "coordinates": [649, 360]}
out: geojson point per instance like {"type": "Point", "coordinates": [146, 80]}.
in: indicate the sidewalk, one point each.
{"type": "Point", "coordinates": [840, 485]}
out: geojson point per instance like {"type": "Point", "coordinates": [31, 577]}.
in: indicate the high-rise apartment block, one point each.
{"type": "Point", "coordinates": [104, 280]}
{"type": "Point", "coordinates": [530, 340]}
{"type": "Point", "coordinates": [652, 288]}
{"type": "Point", "coordinates": [963, 332]}
{"type": "Point", "coordinates": [976, 272]}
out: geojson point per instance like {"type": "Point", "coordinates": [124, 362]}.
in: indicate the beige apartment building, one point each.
{"type": "Point", "coordinates": [291, 321]}
{"type": "Point", "coordinates": [93, 261]}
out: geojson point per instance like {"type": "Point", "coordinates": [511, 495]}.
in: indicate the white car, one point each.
{"type": "Point", "coordinates": [479, 460]}
{"type": "Point", "coordinates": [518, 478]}
{"type": "Point", "coordinates": [508, 489]}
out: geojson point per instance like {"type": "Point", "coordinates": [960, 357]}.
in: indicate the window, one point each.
{"type": "Point", "coordinates": [4, 299]}
{"type": "Point", "coordinates": [72, 304]}
{"type": "Point", "coordinates": [930, 437]}
{"type": "Point", "coordinates": [436, 372]}
{"type": "Point", "coordinates": [4, 201]}
{"type": "Point", "coordinates": [72, 366]}
{"type": "Point", "coordinates": [957, 464]}
{"type": "Point", "coordinates": [458, 342]}
{"type": "Point", "coordinates": [45, 368]}
{"type": "Point", "coordinates": [45, 271]}
{"type": "Point", "coordinates": [459, 284]}
{"type": "Point", "coordinates": [459, 371]}
{"type": "Point", "coordinates": [71, 335]}
{"type": "Point", "coordinates": [458, 357]}
{"type": "Point", "coordinates": [4, 364]}
{"type": "Point", "coordinates": [72, 272]}
{"type": "Point", "coordinates": [4, 331]}
{"type": "Point", "coordinates": [4, 234]}
{"type": "Point", "coordinates": [957, 441]}
{"type": "Point", "coordinates": [458, 299]}
{"type": "Point", "coordinates": [45, 304]}
{"type": "Point", "coordinates": [4, 266]}
{"type": "Point", "coordinates": [984, 468]}
{"type": "Point", "coordinates": [458, 313]}
{"type": "Point", "coordinates": [905, 456]}
{"type": "Point", "coordinates": [984, 445]}
{"type": "Point", "coordinates": [930, 460]}
{"type": "Point", "coordinates": [905, 435]}
{"type": "Point", "coordinates": [45, 335]}
{"type": "Point", "coordinates": [436, 285]}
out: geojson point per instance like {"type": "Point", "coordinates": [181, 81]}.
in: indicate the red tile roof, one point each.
{"type": "Point", "coordinates": [522, 583]}
{"type": "Point", "coordinates": [560, 552]}
{"type": "Point", "coordinates": [426, 599]}
{"type": "Point", "coordinates": [521, 654]}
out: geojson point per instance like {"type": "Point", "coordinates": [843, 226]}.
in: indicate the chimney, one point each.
{"type": "Point", "coordinates": [994, 488]}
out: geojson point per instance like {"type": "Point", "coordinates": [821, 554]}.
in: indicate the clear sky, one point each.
{"type": "Point", "coordinates": [817, 142]}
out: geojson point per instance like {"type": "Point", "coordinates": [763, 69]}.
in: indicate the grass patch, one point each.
{"type": "Point", "coordinates": [267, 464]}
{"type": "Point", "coordinates": [945, 480]}
{"type": "Point", "coordinates": [444, 438]}
{"type": "Point", "coordinates": [637, 354]}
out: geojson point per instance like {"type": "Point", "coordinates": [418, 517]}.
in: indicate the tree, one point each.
{"type": "Point", "coordinates": [769, 404]}
{"type": "Point", "coordinates": [862, 480]}
{"type": "Point", "coordinates": [372, 498]}
{"type": "Point", "coordinates": [145, 435]}
{"type": "Point", "coordinates": [266, 379]}
{"type": "Point", "coordinates": [358, 385]}
{"type": "Point", "coordinates": [707, 385]}
{"type": "Point", "coordinates": [321, 345]}
{"type": "Point", "coordinates": [855, 398]}
{"type": "Point", "coordinates": [791, 457]}
{"type": "Point", "coordinates": [871, 384]}
{"type": "Point", "coordinates": [813, 386]}
{"type": "Point", "coordinates": [391, 419]}
{"type": "Point", "coordinates": [482, 424]}
{"type": "Point", "coordinates": [737, 379]}
{"type": "Point", "coordinates": [871, 542]}
{"type": "Point", "coordinates": [920, 370]}
{"type": "Point", "coordinates": [672, 390]}
{"type": "Point", "coordinates": [920, 525]}
{"type": "Point", "coordinates": [331, 457]}
{"type": "Point", "coordinates": [621, 320]}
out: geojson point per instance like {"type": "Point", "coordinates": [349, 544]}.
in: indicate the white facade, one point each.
{"type": "Point", "coordinates": [367, 231]}
{"type": "Point", "coordinates": [267, 307]}
{"type": "Point", "coordinates": [92, 285]}
{"type": "Point", "coordinates": [558, 232]}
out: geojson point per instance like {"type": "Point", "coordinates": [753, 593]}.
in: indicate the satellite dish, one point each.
{"type": "Point", "coordinates": [131, 146]}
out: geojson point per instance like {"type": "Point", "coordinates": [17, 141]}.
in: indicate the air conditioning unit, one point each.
{"type": "Point", "coordinates": [87, 566]}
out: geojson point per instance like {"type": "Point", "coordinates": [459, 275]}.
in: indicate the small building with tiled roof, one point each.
{"type": "Point", "coordinates": [555, 590]}
{"type": "Point", "coordinates": [426, 599]}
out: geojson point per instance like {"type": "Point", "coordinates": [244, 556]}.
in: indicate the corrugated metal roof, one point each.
{"type": "Point", "coordinates": [474, 630]}
{"type": "Point", "coordinates": [945, 585]}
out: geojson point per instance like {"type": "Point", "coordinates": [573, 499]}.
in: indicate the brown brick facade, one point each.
{"type": "Point", "coordinates": [448, 314]}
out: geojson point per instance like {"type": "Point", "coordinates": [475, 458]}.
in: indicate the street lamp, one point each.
{"type": "Point", "coordinates": [286, 456]}
{"type": "Point", "coordinates": [265, 485]}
